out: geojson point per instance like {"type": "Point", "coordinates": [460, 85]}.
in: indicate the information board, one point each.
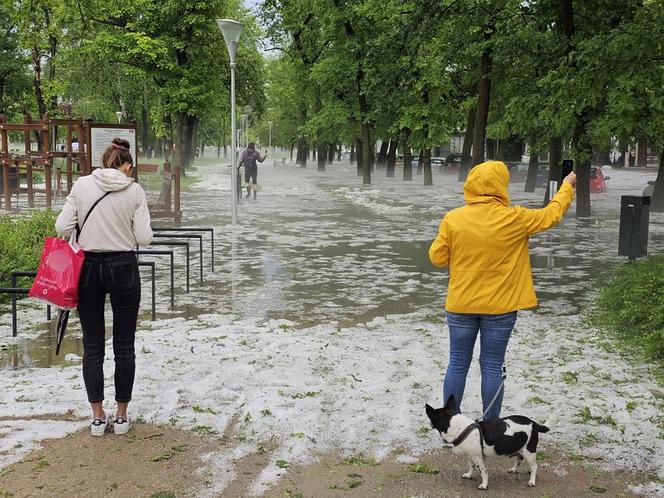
{"type": "Point", "coordinates": [102, 136]}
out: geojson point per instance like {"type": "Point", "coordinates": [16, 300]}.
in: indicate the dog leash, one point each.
{"type": "Point", "coordinates": [495, 396]}
{"type": "Point", "coordinates": [478, 423]}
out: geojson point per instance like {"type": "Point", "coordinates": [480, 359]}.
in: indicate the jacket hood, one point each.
{"type": "Point", "coordinates": [487, 182]}
{"type": "Point", "coordinates": [111, 179]}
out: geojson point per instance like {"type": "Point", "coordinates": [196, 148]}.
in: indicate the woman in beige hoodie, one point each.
{"type": "Point", "coordinates": [117, 224]}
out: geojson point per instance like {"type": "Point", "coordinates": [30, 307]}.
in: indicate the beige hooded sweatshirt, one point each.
{"type": "Point", "coordinates": [118, 223]}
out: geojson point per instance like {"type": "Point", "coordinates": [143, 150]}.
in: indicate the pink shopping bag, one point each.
{"type": "Point", "coordinates": [58, 274]}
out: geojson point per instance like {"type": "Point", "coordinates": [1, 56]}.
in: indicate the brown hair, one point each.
{"type": "Point", "coordinates": [117, 154]}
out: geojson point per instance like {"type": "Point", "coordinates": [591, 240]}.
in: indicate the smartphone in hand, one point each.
{"type": "Point", "coordinates": [568, 167]}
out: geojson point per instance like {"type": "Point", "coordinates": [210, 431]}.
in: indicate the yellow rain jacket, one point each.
{"type": "Point", "coordinates": [485, 244]}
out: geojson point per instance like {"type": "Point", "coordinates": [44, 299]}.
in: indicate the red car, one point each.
{"type": "Point", "coordinates": [597, 180]}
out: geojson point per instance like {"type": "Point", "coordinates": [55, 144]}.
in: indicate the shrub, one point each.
{"type": "Point", "coordinates": [21, 242]}
{"type": "Point", "coordinates": [630, 304]}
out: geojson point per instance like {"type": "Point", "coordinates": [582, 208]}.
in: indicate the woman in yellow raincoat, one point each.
{"type": "Point", "coordinates": [485, 246]}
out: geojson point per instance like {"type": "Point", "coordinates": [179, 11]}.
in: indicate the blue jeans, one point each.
{"type": "Point", "coordinates": [495, 333]}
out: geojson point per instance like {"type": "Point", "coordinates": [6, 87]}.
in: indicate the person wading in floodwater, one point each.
{"type": "Point", "coordinates": [485, 246]}
{"type": "Point", "coordinates": [118, 223]}
{"type": "Point", "coordinates": [248, 159]}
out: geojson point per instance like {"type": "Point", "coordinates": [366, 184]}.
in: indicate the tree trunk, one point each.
{"type": "Point", "coordinates": [582, 151]}
{"type": "Point", "coordinates": [642, 154]}
{"type": "Point", "coordinates": [192, 127]}
{"type": "Point", "coordinates": [358, 156]}
{"type": "Point", "coordinates": [657, 201]}
{"type": "Point", "coordinates": [331, 149]}
{"type": "Point", "coordinates": [500, 150]}
{"type": "Point", "coordinates": [392, 157]}
{"type": "Point", "coordinates": [291, 151]}
{"type": "Point", "coordinates": [426, 160]}
{"type": "Point", "coordinates": [581, 147]}
{"type": "Point", "coordinates": [490, 148]}
{"type": "Point", "coordinates": [420, 160]}
{"type": "Point", "coordinates": [157, 147]}
{"type": "Point", "coordinates": [482, 112]}
{"type": "Point", "coordinates": [366, 159]}
{"type": "Point", "coordinates": [184, 139]}
{"type": "Point", "coordinates": [467, 146]}
{"type": "Point", "coordinates": [407, 155]}
{"type": "Point", "coordinates": [372, 154]}
{"type": "Point", "coordinates": [301, 154]}
{"type": "Point", "coordinates": [555, 166]}
{"type": "Point", "coordinates": [533, 168]}
{"type": "Point", "coordinates": [339, 145]}
{"type": "Point", "coordinates": [302, 148]}
{"type": "Point", "coordinates": [362, 103]}
{"type": "Point", "coordinates": [145, 128]}
{"type": "Point", "coordinates": [180, 156]}
{"type": "Point", "coordinates": [352, 152]}
{"type": "Point", "coordinates": [320, 146]}
{"type": "Point", "coordinates": [381, 160]}
{"type": "Point", "coordinates": [320, 155]}
{"type": "Point", "coordinates": [219, 150]}
{"type": "Point", "coordinates": [39, 95]}
{"type": "Point", "coordinates": [52, 52]}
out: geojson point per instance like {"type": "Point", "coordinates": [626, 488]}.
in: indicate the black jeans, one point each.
{"type": "Point", "coordinates": [114, 273]}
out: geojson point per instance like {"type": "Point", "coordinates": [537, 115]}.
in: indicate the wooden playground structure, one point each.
{"type": "Point", "coordinates": [41, 169]}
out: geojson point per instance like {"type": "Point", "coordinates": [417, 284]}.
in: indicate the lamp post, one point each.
{"type": "Point", "coordinates": [118, 114]}
{"type": "Point", "coordinates": [269, 124]}
{"type": "Point", "coordinates": [231, 32]}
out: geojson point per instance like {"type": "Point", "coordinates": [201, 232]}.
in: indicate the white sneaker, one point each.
{"type": "Point", "coordinates": [121, 425]}
{"type": "Point", "coordinates": [99, 426]}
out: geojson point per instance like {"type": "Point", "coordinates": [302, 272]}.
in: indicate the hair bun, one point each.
{"type": "Point", "coordinates": [121, 142]}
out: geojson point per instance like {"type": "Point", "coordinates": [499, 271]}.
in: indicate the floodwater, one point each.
{"type": "Point", "coordinates": [322, 248]}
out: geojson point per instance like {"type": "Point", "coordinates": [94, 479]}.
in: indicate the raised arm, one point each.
{"type": "Point", "coordinates": [537, 220]}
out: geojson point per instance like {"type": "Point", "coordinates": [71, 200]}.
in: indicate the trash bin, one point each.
{"type": "Point", "coordinates": [634, 218]}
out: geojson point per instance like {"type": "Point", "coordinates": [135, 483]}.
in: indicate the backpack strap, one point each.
{"type": "Point", "coordinates": [80, 228]}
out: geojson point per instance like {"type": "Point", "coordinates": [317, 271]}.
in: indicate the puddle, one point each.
{"type": "Point", "coordinates": [322, 249]}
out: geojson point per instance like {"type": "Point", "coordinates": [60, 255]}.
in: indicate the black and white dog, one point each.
{"type": "Point", "coordinates": [514, 436]}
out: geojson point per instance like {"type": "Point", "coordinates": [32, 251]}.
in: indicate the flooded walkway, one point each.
{"type": "Point", "coordinates": [322, 330]}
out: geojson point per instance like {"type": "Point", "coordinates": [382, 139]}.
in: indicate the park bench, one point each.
{"type": "Point", "coordinates": [279, 162]}
{"type": "Point", "coordinates": [148, 168]}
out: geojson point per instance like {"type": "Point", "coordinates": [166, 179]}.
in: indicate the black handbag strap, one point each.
{"type": "Point", "coordinates": [80, 228]}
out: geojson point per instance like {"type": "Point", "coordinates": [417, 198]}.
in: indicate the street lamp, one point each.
{"type": "Point", "coordinates": [231, 32]}
{"type": "Point", "coordinates": [118, 114]}
{"type": "Point", "coordinates": [269, 124]}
